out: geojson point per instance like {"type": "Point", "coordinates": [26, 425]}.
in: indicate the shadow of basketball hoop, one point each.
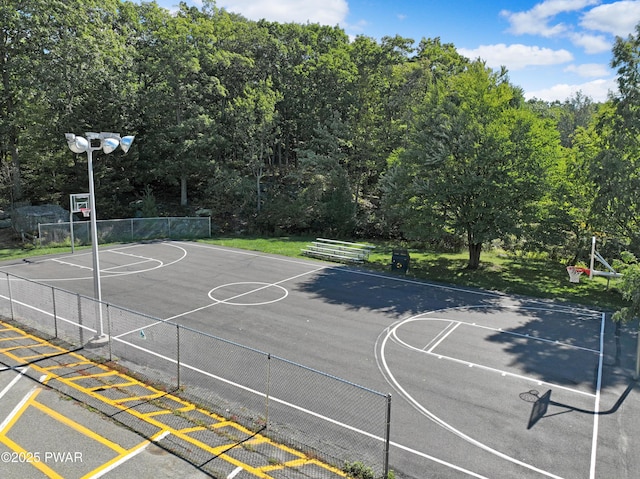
{"type": "Point", "coordinates": [540, 405]}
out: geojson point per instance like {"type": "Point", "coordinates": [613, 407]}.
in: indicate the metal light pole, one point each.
{"type": "Point", "coordinates": [107, 142]}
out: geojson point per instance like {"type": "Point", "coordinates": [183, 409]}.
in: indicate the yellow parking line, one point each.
{"type": "Point", "coordinates": [78, 427]}
{"type": "Point", "coordinates": [46, 470]}
{"type": "Point", "coordinates": [20, 411]}
{"type": "Point", "coordinates": [116, 461]}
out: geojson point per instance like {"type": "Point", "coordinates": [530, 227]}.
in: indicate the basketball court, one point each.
{"type": "Point", "coordinates": [483, 385]}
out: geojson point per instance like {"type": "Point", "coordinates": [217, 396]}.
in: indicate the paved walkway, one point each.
{"type": "Point", "coordinates": [45, 431]}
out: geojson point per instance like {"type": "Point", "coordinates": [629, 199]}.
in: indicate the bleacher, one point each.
{"type": "Point", "coordinates": [339, 251]}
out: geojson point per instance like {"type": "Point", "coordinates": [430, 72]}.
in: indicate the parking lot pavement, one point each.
{"type": "Point", "coordinates": [63, 415]}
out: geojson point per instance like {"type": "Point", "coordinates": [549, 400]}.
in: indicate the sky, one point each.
{"type": "Point", "coordinates": [552, 49]}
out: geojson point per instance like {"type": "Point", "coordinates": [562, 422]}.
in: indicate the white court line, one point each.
{"type": "Point", "coordinates": [596, 415]}
{"type": "Point", "coordinates": [74, 265]}
{"type": "Point", "coordinates": [235, 472]}
{"type": "Point", "coordinates": [22, 402]}
{"type": "Point", "coordinates": [129, 456]}
{"type": "Point", "coordinates": [127, 265]}
{"type": "Point", "coordinates": [451, 328]}
{"type": "Point", "coordinates": [13, 382]}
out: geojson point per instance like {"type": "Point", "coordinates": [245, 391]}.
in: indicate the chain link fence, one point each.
{"type": "Point", "coordinates": [318, 414]}
{"type": "Point", "coordinates": [125, 230]}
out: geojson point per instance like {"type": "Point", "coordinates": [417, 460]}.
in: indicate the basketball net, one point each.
{"type": "Point", "coordinates": [86, 212]}
{"type": "Point", "coordinates": [575, 272]}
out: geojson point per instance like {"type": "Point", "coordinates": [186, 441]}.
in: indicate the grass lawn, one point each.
{"type": "Point", "coordinates": [497, 272]}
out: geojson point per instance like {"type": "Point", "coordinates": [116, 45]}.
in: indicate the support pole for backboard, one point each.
{"type": "Point", "coordinates": [637, 375]}
{"type": "Point", "coordinates": [73, 240]}
{"type": "Point", "coordinates": [77, 202]}
{"type": "Point", "coordinates": [593, 256]}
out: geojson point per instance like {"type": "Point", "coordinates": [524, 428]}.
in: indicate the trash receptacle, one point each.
{"type": "Point", "coordinates": [400, 260]}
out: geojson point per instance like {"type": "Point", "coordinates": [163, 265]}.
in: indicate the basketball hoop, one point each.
{"type": "Point", "coordinates": [575, 272]}
{"type": "Point", "coordinates": [86, 212]}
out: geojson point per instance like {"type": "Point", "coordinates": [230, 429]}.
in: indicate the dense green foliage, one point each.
{"type": "Point", "coordinates": [298, 129]}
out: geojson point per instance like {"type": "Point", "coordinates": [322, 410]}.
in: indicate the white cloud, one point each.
{"type": "Point", "coordinates": [517, 56]}
{"type": "Point", "coordinates": [590, 70]}
{"type": "Point", "coordinates": [327, 12]}
{"type": "Point", "coordinates": [618, 18]}
{"type": "Point", "coordinates": [591, 43]}
{"type": "Point", "coordinates": [537, 20]}
{"type": "Point", "coordinates": [597, 90]}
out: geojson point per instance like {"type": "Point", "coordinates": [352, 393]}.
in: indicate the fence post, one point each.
{"type": "Point", "coordinates": [80, 319]}
{"type": "Point", "coordinates": [178, 355]}
{"type": "Point", "coordinates": [109, 338]}
{"type": "Point", "coordinates": [55, 316]}
{"type": "Point", "coordinates": [10, 296]}
{"type": "Point", "coordinates": [387, 439]}
{"type": "Point", "coordinates": [266, 416]}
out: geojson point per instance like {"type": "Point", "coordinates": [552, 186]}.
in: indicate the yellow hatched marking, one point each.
{"type": "Point", "coordinates": [222, 424]}
{"type": "Point", "coordinates": [10, 338]}
{"type": "Point", "coordinates": [13, 348]}
{"type": "Point", "coordinates": [109, 386]}
{"type": "Point", "coordinates": [78, 427]}
{"type": "Point", "coordinates": [93, 375]}
{"type": "Point", "coordinates": [148, 417]}
{"type": "Point", "coordinates": [41, 355]}
{"type": "Point", "coordinates": [188, 430]}
{"type": "Point", "coordinates": [67, 365]}
{"type": "Point", "coordinates": [38, 343]}
{"type": "Point", "coordinates": [158, 413]}
{"type": "Point", "coordinates": [137, 398]}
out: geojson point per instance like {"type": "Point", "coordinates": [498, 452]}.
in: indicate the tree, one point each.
{"type": "Point", "coordinates": [255, 120]}
{"type": "Point", "coordinates": [615, 169]}
{"type": "Point", "coordinates": [476, 164]}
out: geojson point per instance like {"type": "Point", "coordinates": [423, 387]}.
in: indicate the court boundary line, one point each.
{"type": "Point", "coordinates": [596, 416]}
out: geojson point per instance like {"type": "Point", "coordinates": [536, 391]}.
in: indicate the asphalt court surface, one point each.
{"type": "Point", "coordinates": [483, 385]}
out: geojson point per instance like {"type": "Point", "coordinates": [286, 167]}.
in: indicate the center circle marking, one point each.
{"type": "Point", "coordinates": [252, 287]}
